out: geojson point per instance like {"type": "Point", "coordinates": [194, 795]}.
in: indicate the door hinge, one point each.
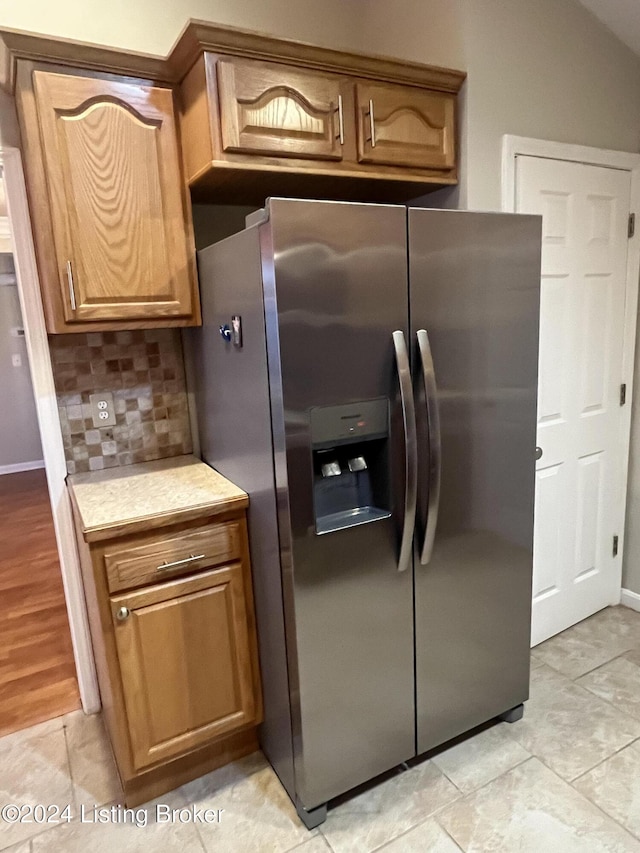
{"type": "Point", "coordinates": [632, 225]}
{"type": "Point", "coordinates": [615, 546]}
{"type": "Point", "coordinates": [623, 393]}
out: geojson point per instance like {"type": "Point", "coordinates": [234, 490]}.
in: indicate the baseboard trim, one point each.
{"type": "Point", "coordinates": [630, 599]}
{"type": "Point", "coordinates": [21, 466]}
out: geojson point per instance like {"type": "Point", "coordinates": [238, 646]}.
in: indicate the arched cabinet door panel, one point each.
{"type": "Point", "coordinates": [123, 248]}
{"type": "Point", "coordinates": [272, 109]}
{"type": "Point", "coordinates": [405, 126]}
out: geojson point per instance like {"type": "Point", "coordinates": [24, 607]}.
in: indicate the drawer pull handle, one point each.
{"type": "Point", "coordinates": [340, 120]}
{"type": "Point", "coordinates": [122, 614]}
{"type": "Point", "coordinates": [72, 290]}
{"type": "Point", "coordinates": [372, 124]}
{"type": "Point", "coordinates": [191, 559]}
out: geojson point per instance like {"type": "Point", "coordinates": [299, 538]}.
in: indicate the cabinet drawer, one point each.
{"type": "Point", "coordinates": [279, 110]}
{"type": "Point", "coordinates": [405, 126]}
{"type": "Point", "coordinates": [172, 556]}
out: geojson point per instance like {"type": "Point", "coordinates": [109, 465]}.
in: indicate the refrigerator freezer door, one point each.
{"type": "Point", "coordinates": [335, 278]}
{"type": "Point", "coordinates": [474, 287]}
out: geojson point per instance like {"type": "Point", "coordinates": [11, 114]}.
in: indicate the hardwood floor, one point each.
{"type": "Point", "coordinates": [37, 671]}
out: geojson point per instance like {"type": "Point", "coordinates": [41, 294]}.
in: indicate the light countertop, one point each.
{"type": "Point", "coordinates": [118, 501]}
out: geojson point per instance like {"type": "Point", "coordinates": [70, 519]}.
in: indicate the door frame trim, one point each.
{"type": "Point", "coordinates": [514, 146]}
{"type": "Point", "coordinates": [37, 345]}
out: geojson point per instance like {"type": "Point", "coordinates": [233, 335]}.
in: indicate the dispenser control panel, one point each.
{"type": "Point", "coordinates": [360, 421]}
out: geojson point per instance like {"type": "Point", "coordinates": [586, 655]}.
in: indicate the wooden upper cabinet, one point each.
{"type": "Point", "coordinates": [266, 108]}
{"type": "Point", "coordinates": [114, 211]}
{"type": "Point", "coordinates": [262, 116]}
{"type": "Point", "coordinates": [405, 126]}
{"type": "Point", "coordinates": [185, 662]}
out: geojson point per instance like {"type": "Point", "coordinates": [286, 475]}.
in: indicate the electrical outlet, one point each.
{"type": "Point", "coordinates": [102, 409]}
{"type": "Point", "coordinates": [16, 359]}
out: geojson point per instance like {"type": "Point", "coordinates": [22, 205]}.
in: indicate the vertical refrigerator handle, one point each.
{"type": "Point", "coordinates": [411, 450]}
{"type": "Point", "coordinates": [435, 455]}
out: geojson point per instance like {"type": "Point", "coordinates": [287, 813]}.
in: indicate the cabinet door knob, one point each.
{"type": "Point", "coordinates": [122, 614]}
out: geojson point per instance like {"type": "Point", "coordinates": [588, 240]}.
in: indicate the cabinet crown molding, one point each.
{"type": "Point", "coordinates": [16, 45]}
{"type": "Point", "coordinates": [199, 37]}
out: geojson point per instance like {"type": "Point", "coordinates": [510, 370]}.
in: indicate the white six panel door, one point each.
{"type": "Point", "coordinates": [585, 212]}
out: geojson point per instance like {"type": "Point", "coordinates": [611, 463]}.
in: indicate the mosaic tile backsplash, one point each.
{"type": "Point", "coordinates": [144, 370]}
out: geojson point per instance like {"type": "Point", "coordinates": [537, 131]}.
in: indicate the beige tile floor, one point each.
{"type": "Point", "coordinates": [566, 778]}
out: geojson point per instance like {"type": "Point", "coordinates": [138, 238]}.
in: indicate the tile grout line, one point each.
{"type": "Point", "coordinates": [593, 693]}
{"type": "Point", "coordinates": [563, 781]}
{"type": "Point", "coordinates": [602, 810]}
{"type": "Point", "coordinates": [489, 781]}
{"type": "Point", "coordinates": [606, 663]}
{"type": "Point", "coordinates": [615, 657]}
{"type": "Point", "coordinates": [483, 786]}
{"type": "Point", "coordinates": [199, 836]}
{"type": "Point", "coordinates": [448, 834]}
{"type": "Point", "coordinates": [604, 760]}
{"type": "Point", "coordinates": [606, 813]}
{"type": "Point", "coordinates": [590, 696]}
{"type": "Point", "coordinates": [461, 796]}
{"type": "Point", "coordinates": [68, 753]}
{"type": "Point", "coordinates": [415, 826]}
{"type": "Point", "coordinates": [325, 839]}
{"type": "Point", "coordinates": [575, 678]}
{"type": "Point", "coordinates": [591, 800]}
{"type": "Point", "coordinates": [588, 799]}
{"type": "Point", "coordinates": [320, 835]}
{"type": "Point", "coordinates": [439, 811]}
{"type": "Point", "coordinates": [73, 804]}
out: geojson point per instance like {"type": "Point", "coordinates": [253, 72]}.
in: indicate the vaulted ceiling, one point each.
{"type": "Point", "coordinates": [621, 16]}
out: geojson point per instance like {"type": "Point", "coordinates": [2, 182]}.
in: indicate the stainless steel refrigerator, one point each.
{"type": "Point", "coordinates": [368, 373]}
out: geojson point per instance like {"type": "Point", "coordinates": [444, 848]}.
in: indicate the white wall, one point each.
{"type": "Point", "coordinates": [9, 134]}
{"type": "Point", "coordinates": [19, 434]}
{"type": "Point", "coordinates": [150, 27]}
{"type": "Point", "coordinates": [546, 69]}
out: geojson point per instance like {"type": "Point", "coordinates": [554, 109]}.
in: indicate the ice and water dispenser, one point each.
{"type": "Point", "coordinates": [350, 464]}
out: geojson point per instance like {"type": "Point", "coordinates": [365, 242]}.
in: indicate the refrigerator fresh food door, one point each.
{"type": "Point", "coordinates": [474, 306]}
{"type": "Point", "coordinates": [336, 311]}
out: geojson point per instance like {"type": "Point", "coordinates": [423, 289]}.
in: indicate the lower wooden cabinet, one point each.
{"type": "Point", "coordinates": [173, 629]}
{"type": "Point", "coordinates": [185, 661]}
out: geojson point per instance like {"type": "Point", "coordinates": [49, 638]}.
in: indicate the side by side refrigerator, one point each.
{"type": "Point", "coordinates": [368, 374]}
